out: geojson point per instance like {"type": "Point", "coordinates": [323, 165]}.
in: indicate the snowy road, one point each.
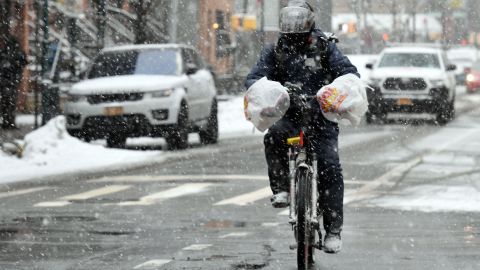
{"type": "Point", "coordinates": [412, 202]}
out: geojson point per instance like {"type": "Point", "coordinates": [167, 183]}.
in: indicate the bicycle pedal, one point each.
{"type": "Point", "coordinates": [293, 246]}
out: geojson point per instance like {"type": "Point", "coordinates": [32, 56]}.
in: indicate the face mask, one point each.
{"type": "Point", "coordinates": [293, 42]}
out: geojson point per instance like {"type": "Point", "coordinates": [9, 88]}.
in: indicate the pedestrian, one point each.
{"type": "Point", "coordinates": [304, 55]}
{"type": "Point", "coordinates": [12, 61]}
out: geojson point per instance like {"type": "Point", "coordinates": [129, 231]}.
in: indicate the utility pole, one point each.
{"type": "Point", "coordinates": [174, 21]}
{"type": "Point", "coordinates": [45, 83]}
{"type": "Point", "coordinates": [324, 14]}
{"type": "Point", "coordinates": [101, 23]}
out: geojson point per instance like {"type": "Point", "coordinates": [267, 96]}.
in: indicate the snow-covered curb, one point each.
{"type": "Point", "coordinates": [50, 151]}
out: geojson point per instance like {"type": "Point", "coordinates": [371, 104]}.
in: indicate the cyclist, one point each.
{"type": "Point", "coordinates": [305, 56]}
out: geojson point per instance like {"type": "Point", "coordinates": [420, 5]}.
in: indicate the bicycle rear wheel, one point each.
{"type": "Point", "coordinates": [305, 232]}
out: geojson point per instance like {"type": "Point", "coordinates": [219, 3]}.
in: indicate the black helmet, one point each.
{"type": "Point", "coordinates": [297, 17]}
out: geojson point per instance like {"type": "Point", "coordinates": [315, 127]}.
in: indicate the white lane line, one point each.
{"type": "Point", "coordinates": [234, 235]}
{"type": "Point", "coordinates": [270, 224]}
{"type": "Point", "coordinates": [152, 264]}
{"type": "Point", "coordinates": [52, 204]}
{"type": "Point", "coordinates": [96, 192]}
{"type": "Point", "coordinates": [66, 200]}
{"type": "Point", "coordinates": [248, 198]}
{"type": "Point", "coordinates": [160, 178]}
{"type": "Point", "coordinates": [182, 190]}
{"type": "Point", "coordinates": [197, 247]}
{"type": "Point", "coordinates": [21, 192]}
{"type": "Point", "coordinates": [284, 212]}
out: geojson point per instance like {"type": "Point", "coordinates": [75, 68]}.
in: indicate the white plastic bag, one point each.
{"type": "Point", "coordinates": [344, 98]}
{"type": "Point", "coordinates": [265, 103]}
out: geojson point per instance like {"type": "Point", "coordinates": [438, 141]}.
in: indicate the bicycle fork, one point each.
{"type": "Point", "coordinates": [292, 164]}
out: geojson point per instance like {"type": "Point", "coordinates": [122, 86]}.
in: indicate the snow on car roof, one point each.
{"type": "Point", "coordinates": [412, 49]}
{"type": "Point", "coordinates": [132, 47]}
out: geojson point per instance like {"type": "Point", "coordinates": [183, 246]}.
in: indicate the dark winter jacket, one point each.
{"type": "Point", "coordinates": [310, 73]}
{"type": "Point", "coordinates": [12, 61]}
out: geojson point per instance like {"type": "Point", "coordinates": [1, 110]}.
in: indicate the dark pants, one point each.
{"type": "Point", "coordinates": [8, 104]}
{"type": "Point", "coordinates": [330, 178]}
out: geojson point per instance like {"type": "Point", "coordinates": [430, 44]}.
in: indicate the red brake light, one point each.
{"type": "Point", "coordinates": [301, 138]}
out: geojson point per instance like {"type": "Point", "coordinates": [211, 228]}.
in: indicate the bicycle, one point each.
{"type": "Point", "coordinates": [303, 177]}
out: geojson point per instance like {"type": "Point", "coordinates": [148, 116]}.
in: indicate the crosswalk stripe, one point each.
{"type": "Point", "coordinates": [21, 192]}
{"type": "Point", "coordinates": [152, 264]}
{"type": "Point", "coordinates": [197, 247]}
{"type": "Point", "coordinates": [52, 204]}
{"type": "Point", "coordinates": [168, 194]}
{"type": "Point", "coordinates": [248, 197]}
{"type": "Point", "coordinates": [234, 234]}
{"type": "Point", "coordinates": [66, 200]}
{"type": "Point", "coordinates": [160, 178]}
{"type": "Point", "coordinates": [96, 192]}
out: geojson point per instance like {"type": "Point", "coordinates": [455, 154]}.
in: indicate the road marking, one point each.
{"type": "Point", "coordinates": [162, 178]}
{"type": "Point", "coordinates": [284, 212]}
{"type": "Point", "coordinates": [96, 192]}
{"type": "Point", "coordinates": [66, 200]}
{"type": "Point", "coordinates": [197, 247]}
{"type": "Point", "coordinates": [168, 194]}
{"type": "Point", "coordinates": [21, 192]}
{"type": "Point", "coordinates": [152, 264]}
{"type": "Point", "coordinates": [270, 224]}
{"type": "Point", "coordinates": [234, 235]}
{"type": "Point", "coordinates": [248, 198]}
{"type": "Point", "coordinates": [52, 204]}
{"type": "Point", "coordinates": [365, 192]}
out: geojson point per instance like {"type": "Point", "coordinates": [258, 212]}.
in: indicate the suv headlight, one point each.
{"type": "Point", "coordinates": [437, 83]}
{"type": "Point", "coordinates": [75, 98]}
{"type": "Point", "coordinates": [162, 93]}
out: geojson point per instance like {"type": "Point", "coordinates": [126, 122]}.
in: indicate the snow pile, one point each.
{"type": "Point", "coordinates": [51, 150]}
{"type": "Point", "coordinates": [231, 119]}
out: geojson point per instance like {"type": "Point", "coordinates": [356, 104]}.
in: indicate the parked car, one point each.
{"type": "Point", "coordinates": [463, 57]}
{"type": "Point", "coordinates": [473, 78]}
{"type": "Point", "coordinates": [412, 80]}
{"type": "Point", "coordinates": [144, 90]}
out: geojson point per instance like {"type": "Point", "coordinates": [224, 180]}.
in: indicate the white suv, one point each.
{"type": "Point", "coordinates": [412, 80]}
{"type": "Point", "coordinates": [144, 90]}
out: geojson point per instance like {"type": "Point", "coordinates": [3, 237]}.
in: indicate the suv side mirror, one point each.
{"type": "Point", "coordinates": [451, 67]}
{"type": "Point", "coordinates": [369, 66]}
{"type": "Point", "coordinates": [191, 68]}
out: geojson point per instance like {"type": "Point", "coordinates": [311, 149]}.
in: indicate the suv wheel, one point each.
{"type": "Point", "coordinates": [116, 141]}
{"type": "Point", "coordinates": [177, 137]}
{"type": "Point", "coordinates": [209, 135]}
{"type": "Point", "coordinates": [446, 113]}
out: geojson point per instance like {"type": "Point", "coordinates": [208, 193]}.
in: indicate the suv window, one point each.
{"type": "Point", "coordinates": [142, 62]}
{"type": "Point", "coordinates": [423, 60]}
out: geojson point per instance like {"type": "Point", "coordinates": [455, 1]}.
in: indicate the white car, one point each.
{"type": "Point", "coordinates": [412, 80]}
{"type": "Point", "coordinates": [144, 90]}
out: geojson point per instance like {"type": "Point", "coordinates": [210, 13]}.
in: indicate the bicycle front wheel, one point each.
{"type": "Point", "coordinates": [305, 231]}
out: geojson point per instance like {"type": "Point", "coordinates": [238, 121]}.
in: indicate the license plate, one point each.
{"type": "Point", "coordinates": [404, 101]}
{"type": "Point", "coordinates": [113, 111]}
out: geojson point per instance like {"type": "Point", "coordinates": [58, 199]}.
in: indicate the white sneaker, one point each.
{"type": "Point", "coordinates": [333, 243]}
{"type": "Point", "coordinates": [280, 200]}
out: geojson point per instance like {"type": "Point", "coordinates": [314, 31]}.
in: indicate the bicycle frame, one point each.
{"type": "Point", "coordinates": [297, 156]}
